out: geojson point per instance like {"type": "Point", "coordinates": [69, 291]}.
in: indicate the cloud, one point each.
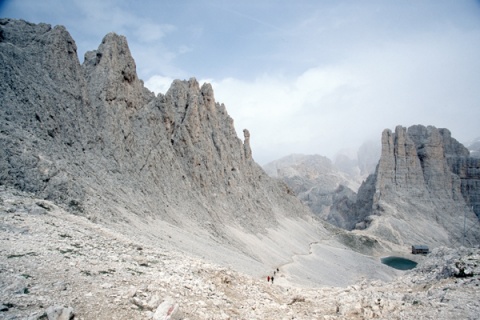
{"type": "Point", "coordinates": [288, 115]}
{"type": "Point", "coordinates": [159, 84]}
{"type": "Point", "coordinates": [420, 80]}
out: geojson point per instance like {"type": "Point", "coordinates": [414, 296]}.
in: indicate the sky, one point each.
{"type": "Point", "coordinates": [304, 76]}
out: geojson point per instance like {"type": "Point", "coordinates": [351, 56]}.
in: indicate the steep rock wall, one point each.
{"type": "Point", "coordinates": [420, 193]}
{"type": "Point", "coordinates": [93, 138]}
{"type": "Point", "coordinates": [44, 100]}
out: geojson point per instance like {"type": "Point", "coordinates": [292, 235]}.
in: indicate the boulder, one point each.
{"type": "Point", "coordinates": [60, 313]}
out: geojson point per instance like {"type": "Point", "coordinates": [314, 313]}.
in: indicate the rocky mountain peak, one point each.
{"type": "Point", "coordinates": [246, 144]}
{"type": "Point", "coordinates": [113, 56]}
{"type": "Point", "coordinates": [426, 175]}
{"type": "Point", "coordinates": [399, 164]}
{"type": "Point", "coordinates": [111, 74]}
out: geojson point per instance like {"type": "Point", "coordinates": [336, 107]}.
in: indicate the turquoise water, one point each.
{"type": "Point", "coordinates": [399, 263]}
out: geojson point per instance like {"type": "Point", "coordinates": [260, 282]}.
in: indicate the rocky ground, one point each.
{"type": "Point", "coordinates": [54, 265]}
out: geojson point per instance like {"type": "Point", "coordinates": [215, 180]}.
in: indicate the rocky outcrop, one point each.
{"type": "Point", "coordinates": [424, 186]}
{"type": "Point", "coordinates": [92, 138]}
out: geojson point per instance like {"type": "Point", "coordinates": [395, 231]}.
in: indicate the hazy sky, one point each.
{"type": "Point", "coordinates": [307, 77]}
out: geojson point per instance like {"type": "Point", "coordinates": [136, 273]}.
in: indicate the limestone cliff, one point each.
{"type": "Point", "coordinates": [93, 138]}
{"type": "Point", "coordinates": [423, 187]}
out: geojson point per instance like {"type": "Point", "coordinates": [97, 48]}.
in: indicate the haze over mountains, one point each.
{"type": "Point", "coordinates": [170, 172]}
{"type": "Point", "coordinates": [474, 147]}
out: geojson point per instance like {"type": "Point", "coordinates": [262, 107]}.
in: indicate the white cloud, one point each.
{"type": "Point", "coordinates": [159, 84]}
{"type": "Point", "coordinates": [289, 115]}
{"type": "Point", "coordinates": [420, 80]}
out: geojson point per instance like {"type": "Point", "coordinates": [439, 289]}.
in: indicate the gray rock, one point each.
{"type": "Point", "coordinates": [36, 210]}
{"type": "Point", "coordinates": [205, 290]}
{"type": "Point", "coordinates": [167, 310]}
{"type": "Point", "coordinates": [169, 175]}
{"type": "Point", "coordinates": [60, 313]}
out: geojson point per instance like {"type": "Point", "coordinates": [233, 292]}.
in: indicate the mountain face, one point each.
{"type": "Point", "coordinates": [169, 168]}
{"type": "Point", "coordinates": [168, 204]}
{"type": "Point", "coordinates": [423, 190]}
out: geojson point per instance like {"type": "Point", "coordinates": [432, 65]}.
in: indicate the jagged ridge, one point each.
{"type": "Point", "coordinates": [93, 138]}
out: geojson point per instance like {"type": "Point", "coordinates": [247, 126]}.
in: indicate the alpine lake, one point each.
{"type": "Point", "coordinates": [399, 263]}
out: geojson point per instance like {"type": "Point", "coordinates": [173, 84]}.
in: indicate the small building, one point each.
{"type": "Point", "coordinates": [419, 249]}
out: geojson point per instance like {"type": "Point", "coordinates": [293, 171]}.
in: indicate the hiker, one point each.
{"type": "Point", "coordinates": [268, 279]}
{"type": "Point", "coordinates": [272, 280]}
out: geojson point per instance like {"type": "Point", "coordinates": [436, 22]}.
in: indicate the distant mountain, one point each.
{"type": "Point", "coordinates": [359, 163]}
{"type": "Point", "coordinates": [318, 183]}
{"type": "Point", "coordinates": [327, 188]}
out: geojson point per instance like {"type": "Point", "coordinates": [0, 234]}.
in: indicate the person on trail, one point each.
{"type": "Point", "coordinates": [272, 280]}
{"type": "Point", "coordinates": [268, 279]}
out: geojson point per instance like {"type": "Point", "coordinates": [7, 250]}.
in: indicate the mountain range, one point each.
{"type": "Point", "coordinates": [87, 149]}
